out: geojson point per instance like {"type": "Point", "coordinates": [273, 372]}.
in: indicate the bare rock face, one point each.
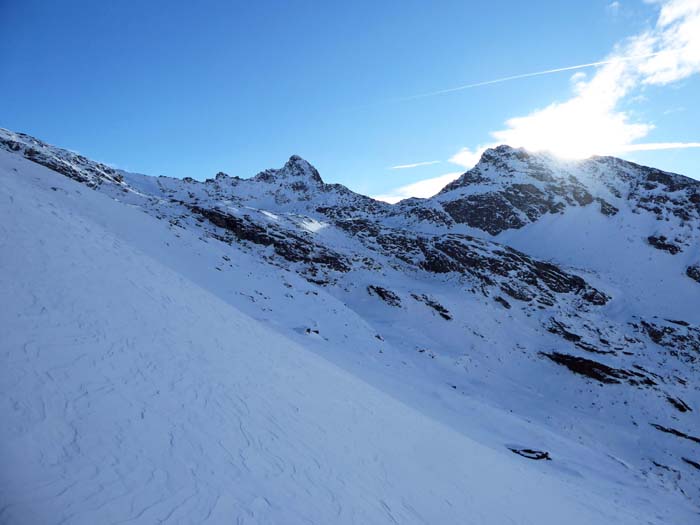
{"type": "Point", "coordinates": [598, 371]}
{"type": "Point", "coordinates": [693, 272]}
{"type": "Point", "coordinates": [510, 188]}
{"type": "Point", "coordinates": [661, 242]}
{"type": "Point", "coordinates": [666, 194]}
{"type": "Point", "coordinates": [71, 165]}
{"type": "Point", "coordinates": [385, 295]}
{"type": "Point", "coordinates": [531, 453]}
{"type": "Point", "coordinates": [290, 246]}
{"type": "Point", "coordinates": [680, 338]}
{"type": "Point", "coordinates": [492, 213]}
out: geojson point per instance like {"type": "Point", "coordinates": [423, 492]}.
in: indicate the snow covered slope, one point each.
{"type": "Point", "coordinates": [281, 350]}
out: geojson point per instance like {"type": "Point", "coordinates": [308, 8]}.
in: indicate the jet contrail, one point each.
{"type": "Point", "coordinates": [528, 75]}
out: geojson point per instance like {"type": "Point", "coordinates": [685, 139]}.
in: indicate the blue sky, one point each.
{"type": "Point", "coordinates": [192, 88]}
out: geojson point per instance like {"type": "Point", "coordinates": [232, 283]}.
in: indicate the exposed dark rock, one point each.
{"type": "Point", "coordinates": [666, 194]}
{"type": "Point", "coordinates": [531, 454]}
{"type": "Point", "coordinates": [681, 341]}
{"type": "Point", "coordinates": [531, 201]}
{"type": "Point", "coordinates": [356, 226]}
{"type": "Point", "coordinates": [288, 245]}
{"type": "Point", "coordinates": [559, 328]}
{"type": "Point", "coordinates": [73, 166]}
{"type": "Point", "coordinates": [472, 176]}
{"type": "Point", "coordinates": [675, 432]}
{"type": "Point", "coordinates": [606, 208]}
{"type": "Point", "coordinates": [500, 300]}
{"type": "Point", "coordinates": [693, 272]}
{"type": "Point", "coordinates": [430, 215]}
{"type": "Point", "coordinates": [660, 242]}
{"type": "Point", "coordinates": [512, 205]}
{"type": "Point", "coordinates": [523, 276]}
{"type": "Point", "coordinates": [679, 404]}
{"type": "Point", "coordinates": [515, 273]}
{"type": "Point", "coordinates": [598, 371]}
{"type": "Point", "coordinates": [691, 463]}
{"type": "Point", "coordinates": [490, 212]}
{"type": "Point", "coordinates": [385, 295]}
{"type": "Point", "coordinates": [432, 303]}
{"type": "Point", "coordinates": [587, 367]}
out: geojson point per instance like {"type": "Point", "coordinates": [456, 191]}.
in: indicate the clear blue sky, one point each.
{"type": "Point", "coordinates": [192, 88]}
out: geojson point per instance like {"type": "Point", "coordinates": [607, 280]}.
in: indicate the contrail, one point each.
{"type": "Point", "coordinates": [528, 75]}
{"type": "Point", "coordinates": [414, 165]}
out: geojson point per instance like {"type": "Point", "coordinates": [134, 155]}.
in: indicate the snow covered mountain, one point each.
{"type": "Point", "coordinates": [522, 346]}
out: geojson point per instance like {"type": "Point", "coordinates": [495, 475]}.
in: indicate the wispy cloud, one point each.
{"type": "Point", "coordinates": [612, 60]}
{"type": "Point", "coordinates": [424, 188]}
{"type": "Point", "coordinates": [414, 165]}
{"type": "Point", "coordinates": [590, 122]}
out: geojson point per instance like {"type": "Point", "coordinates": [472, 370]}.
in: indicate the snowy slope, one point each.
{"type": "Point", "coordinates": [134, 394]}
{"type": "Point", "coordinates": [330, 315]}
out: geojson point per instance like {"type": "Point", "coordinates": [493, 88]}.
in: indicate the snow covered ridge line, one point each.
{"type": "Point", "coordinates": [508, 189]}
{"type": "Point", "coordinates": [65, 162]}
{"type": "Point", "coordinates": [528, 186]}
{"type": "Point", "coordinates": [486, 264]}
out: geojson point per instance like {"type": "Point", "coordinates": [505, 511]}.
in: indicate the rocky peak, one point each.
{"type": "Point", "coordinates": [504, 151]}
{"type": "Point", "coordinates": [296, 171]}
{"type": "Point", "coordinates": [511, 187]}
{"type": "Point", "coordinates": [503, 163]}
{"type": "Point", "coordinates": [297, 167]}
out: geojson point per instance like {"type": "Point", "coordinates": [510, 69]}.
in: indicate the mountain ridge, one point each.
{"type": "Point", "coordinates": [581, 321]}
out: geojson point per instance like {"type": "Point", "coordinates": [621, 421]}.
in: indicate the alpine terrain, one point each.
{"type": "Point", "coordinates": [523, 347]}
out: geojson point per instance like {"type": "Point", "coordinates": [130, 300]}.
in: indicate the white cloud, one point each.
{"type": "Point", "coordinates": [414, 165]}
{"type": "Point", "coordinates": [678, 27]}
{"type": "Point", "coordinates": [424, 188]}
{"type": "Point", "coordinates": [466, 157]}
{"type": "Point", "coordinates": [590, 122]}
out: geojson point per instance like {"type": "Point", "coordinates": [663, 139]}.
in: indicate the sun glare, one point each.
{"type": "Point", "coordinates": [583, 126]}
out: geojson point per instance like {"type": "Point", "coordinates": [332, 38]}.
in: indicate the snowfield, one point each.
{"type": "Point", "coordinates": [149, 374]}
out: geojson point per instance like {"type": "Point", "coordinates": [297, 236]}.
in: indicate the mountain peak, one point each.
{"type": "Point", "coordinates": [505, 152]}
{"type": "Point", "coordinates": [297, 159]}
{"type": "Point", "coordinates": [296, 166]}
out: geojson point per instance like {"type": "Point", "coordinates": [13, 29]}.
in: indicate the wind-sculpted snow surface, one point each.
{"type": "Point", "coordinates": [282, 350]}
